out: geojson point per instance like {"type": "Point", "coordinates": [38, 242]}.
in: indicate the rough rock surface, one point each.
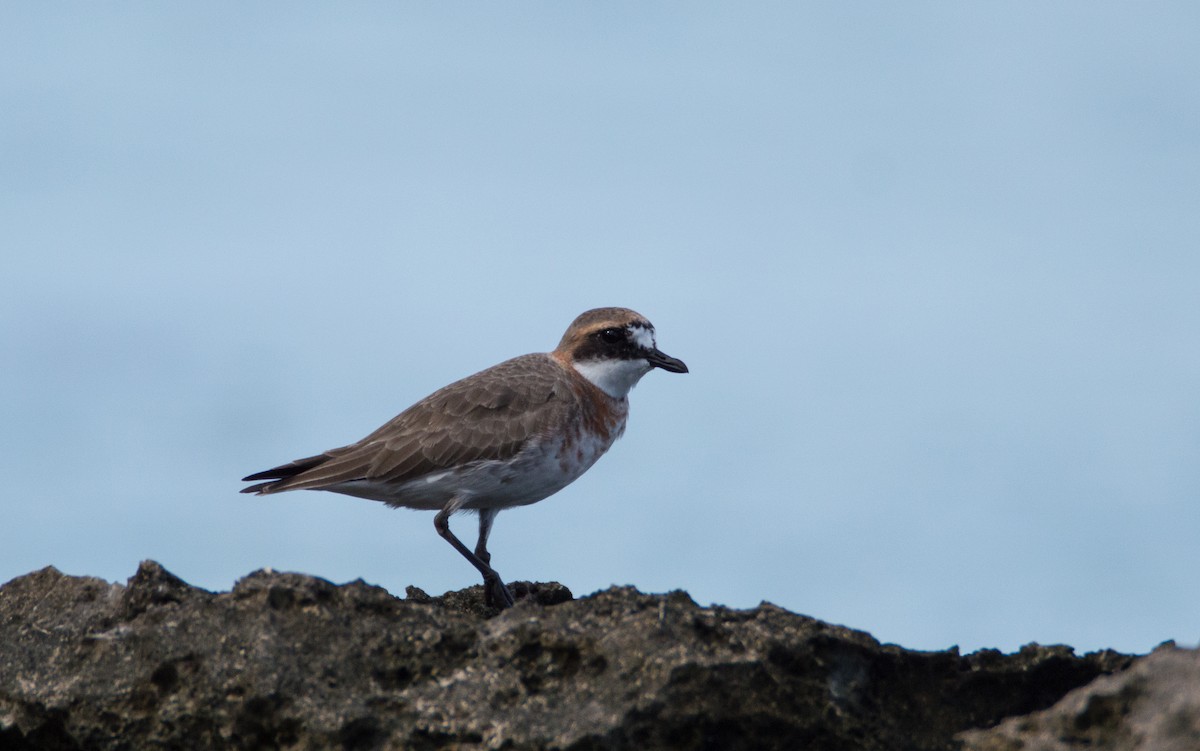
{"type": "Point", "coordinates": [291, 661]}
{"type": "Point", "coordinates": [1153, 706]}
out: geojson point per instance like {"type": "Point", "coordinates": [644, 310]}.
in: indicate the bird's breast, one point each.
{"type": "Point", "coordinates": [599, 424]}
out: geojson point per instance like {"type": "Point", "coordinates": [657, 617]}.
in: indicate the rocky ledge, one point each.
{"type": "Point", "coordinates": [292, 661]}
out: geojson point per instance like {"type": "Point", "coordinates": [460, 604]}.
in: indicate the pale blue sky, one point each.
{"type": "Point", "coordinates": [934, 267]}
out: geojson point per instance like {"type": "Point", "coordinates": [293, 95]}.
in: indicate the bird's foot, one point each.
{"type": "Point", "coordinates": [495, 594]}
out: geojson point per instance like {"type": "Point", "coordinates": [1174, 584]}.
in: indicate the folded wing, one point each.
{"type": "Point", "coordinates": [491, 415]}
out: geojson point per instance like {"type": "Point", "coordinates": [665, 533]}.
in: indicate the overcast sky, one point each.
{"type": "Point", "coordinates": [935, 268]}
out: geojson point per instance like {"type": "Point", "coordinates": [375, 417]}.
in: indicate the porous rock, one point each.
{"type": "Point", "coordinates": [292, 661]}
{"type": "Point", "coordinates": [1153, 706]}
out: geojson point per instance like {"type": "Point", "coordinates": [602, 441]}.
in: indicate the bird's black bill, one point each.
{"type": "Point", "coordinates": [666, 362]}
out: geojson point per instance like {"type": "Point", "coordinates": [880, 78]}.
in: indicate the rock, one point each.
{"type": "Point", "coordinates": [292, 661]}
{"type": "Point", "coordinates": [1153, 706]}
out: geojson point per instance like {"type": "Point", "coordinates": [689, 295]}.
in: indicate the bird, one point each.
{"type": "Point", "coordinates": [510, 435]}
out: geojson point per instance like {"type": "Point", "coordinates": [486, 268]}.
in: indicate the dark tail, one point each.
{"type": "Point", "coordinates": [278, 478]}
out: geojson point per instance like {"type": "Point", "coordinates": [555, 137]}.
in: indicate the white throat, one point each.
{"type": "Point", "coordinates": [614, 377]}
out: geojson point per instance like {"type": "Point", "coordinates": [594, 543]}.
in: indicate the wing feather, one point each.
{"type": "Point", "coordinates": [490, 415]}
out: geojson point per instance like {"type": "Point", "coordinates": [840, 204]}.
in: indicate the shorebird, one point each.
{"type": "Point", "coordinates": [510, 435]}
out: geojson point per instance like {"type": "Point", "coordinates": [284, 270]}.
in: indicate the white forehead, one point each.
{"type": "Point", "coordinates": [643, 335]}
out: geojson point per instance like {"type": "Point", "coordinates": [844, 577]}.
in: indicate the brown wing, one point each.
{"type": "Point", "coordinates": [490, 415]}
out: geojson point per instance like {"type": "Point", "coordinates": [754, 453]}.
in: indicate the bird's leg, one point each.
{"type": "Point", "coordinates": [495, 594]}
{"type": "Point", "coordinates": [486, 517]}
{"type": "Point", "coordinates": [494, 591]}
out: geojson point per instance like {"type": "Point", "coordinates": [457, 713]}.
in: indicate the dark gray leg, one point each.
{"type": "Point", "coordinates": [494, 591]}
{"type": "Point", "coordinates": [486, 517]}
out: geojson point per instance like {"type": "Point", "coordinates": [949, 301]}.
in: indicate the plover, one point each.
{"type": "Point", "coordinates": [507, 436]}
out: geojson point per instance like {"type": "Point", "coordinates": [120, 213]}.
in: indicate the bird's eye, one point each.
{"type": "Point", "coordinates": [612, 336]}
